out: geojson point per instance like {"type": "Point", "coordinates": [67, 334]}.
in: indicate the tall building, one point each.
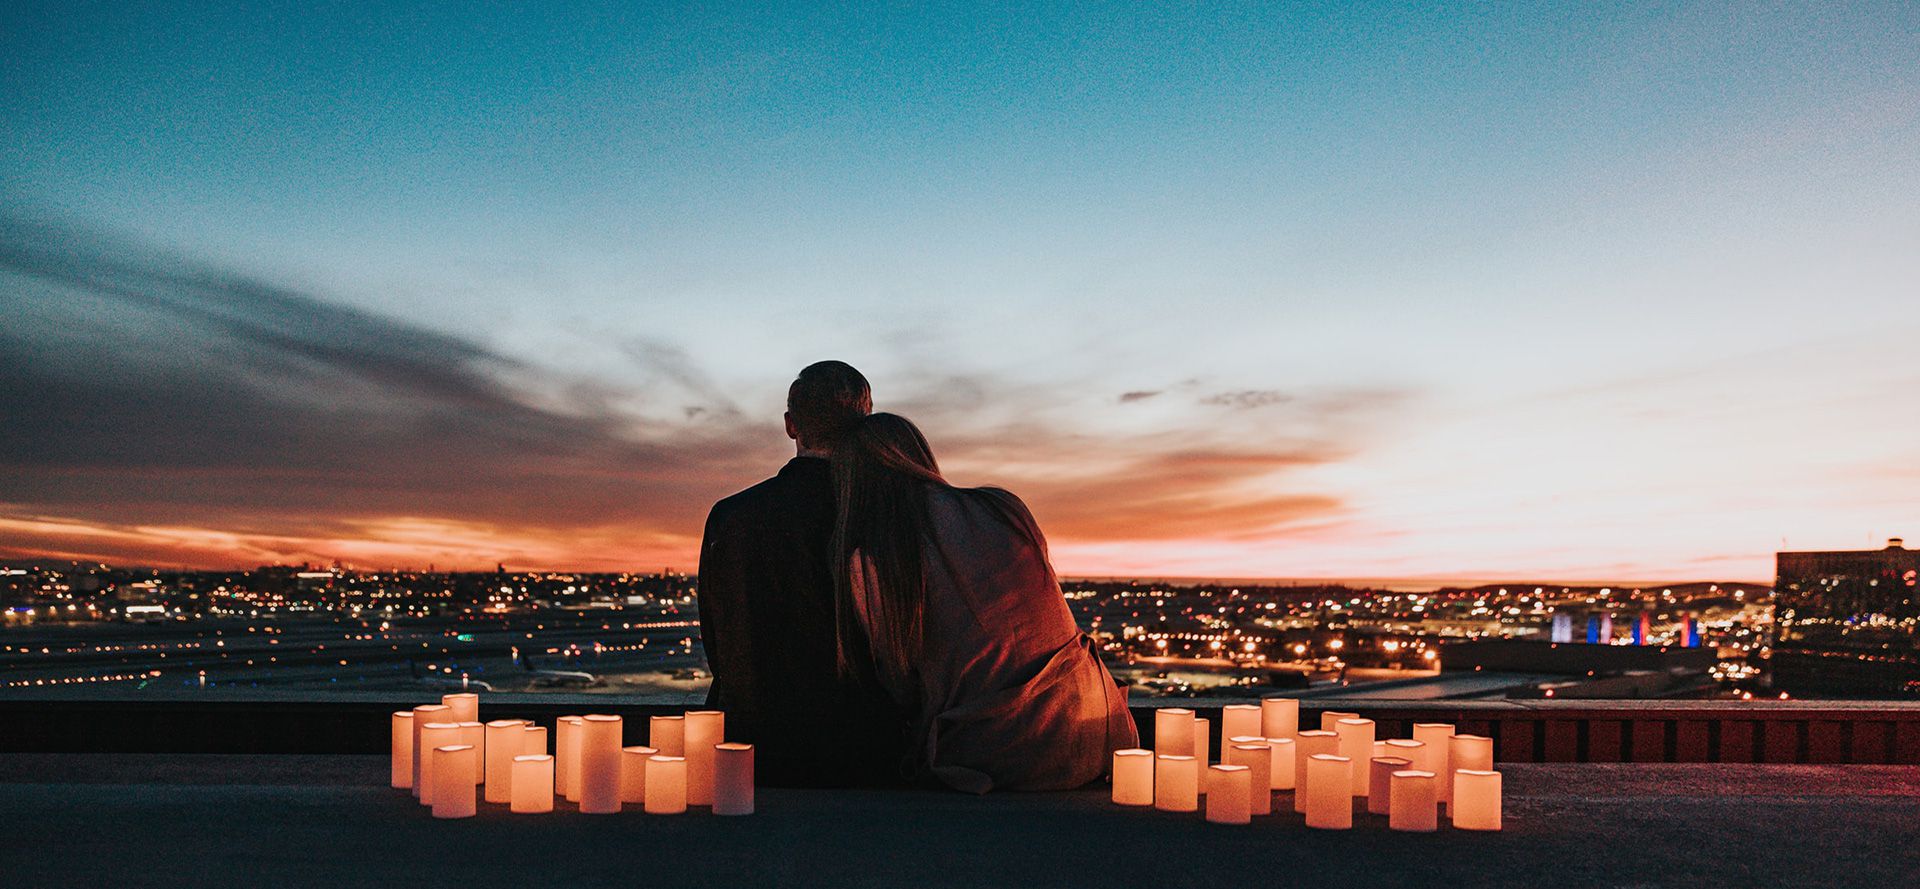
{"type": "Point", "coordinates": [1848, 622]}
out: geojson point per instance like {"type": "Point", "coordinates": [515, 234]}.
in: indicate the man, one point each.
{"type": "Point", "coordinates": [767, 614]}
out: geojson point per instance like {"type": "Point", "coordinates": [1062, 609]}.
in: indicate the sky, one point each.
{"type": "Point", "coordinates": [1541, 291]}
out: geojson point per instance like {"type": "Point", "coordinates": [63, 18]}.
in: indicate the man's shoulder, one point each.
{"type": "Point", "coordinates": [799, 483]}
{"type": "Point", "coordinates": [749, 501]}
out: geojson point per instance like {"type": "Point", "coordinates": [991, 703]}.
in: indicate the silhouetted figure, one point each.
{"type": "Point", "coordinates": [767, 615]}
{"type": "Point", "coordinates": [948, 594]}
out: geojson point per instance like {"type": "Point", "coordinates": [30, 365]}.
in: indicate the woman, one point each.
{"type": "Point", "coordinates": [948, 593]}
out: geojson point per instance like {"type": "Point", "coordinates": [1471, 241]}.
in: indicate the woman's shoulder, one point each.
{"type": "Point", "coordinates": [997, 504]}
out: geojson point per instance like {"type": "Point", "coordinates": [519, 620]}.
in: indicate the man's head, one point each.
{"type": "Point", "coordinates": [826, 398]}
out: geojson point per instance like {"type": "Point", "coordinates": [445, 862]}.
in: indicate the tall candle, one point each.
{"type": "Point", "coordinates": [666, 785]}
{"type": "Point", "coordinates": [1202, 743]}
{"type": "Point", "coordinates": [421, 716]}
{"type": "Point", "coordinates": [1176, 783]}
{"type": "Point", "coordinates": [465, 706]}
{"type": "Point", "coordinates": [1279, 717]}
{"type": "Point", "coordinates": [474, 734]}
{"type": "Point", "coordinates": [702, 730]}
{"type": "Point", "coordinates": [533, 740]}
{"type": "Point", "coordinates": [566, 756]}
{"type": "Point", "coordinates": [1467, 752]}
{"type": "Point", "coordinates": [1476, 799]}
{"type": "Point", "coordinates": [1356, 744]}
{"type": "Point", "coordinates": [1284, 769]}
{"type": "Point", "coordinates": [453, 787]}
{"type": "Point", "coordinates": [1414, 806]}
{"type": "Point", "coordinates": [599, 764]}
{"type": "Point", "coordinates": [1173, 731]}
{"type": "Point", "coordinates": [402, 740]}
{"type": "Point", "coordinates": [1329, 792]}
{"type": "Point", "coordinates": [633, 774]}
{"type": "Point", "coordinates": [1229, 794]}
{"type": "Point", "coordinates": [1133, 777]}
{"type": "Point", "coordinates": [504, 737]}
{"type": "Point", "coordinates": [1380, 771]}
{"type": "Point", "coordinates": [432, 735]}
{"type": "Point", "coordinates": [1332, 718]}
{"type": "Point", "coordinates": [1307, 745]}
{"type": "Point", "coordinates": [1435, 736]}
{"type": "Point", "coordinates": [667, 734]}
{"type": "Point", "coordinates": [532, 784]}
{"type": "Point", "coordinates": [1258, 758]}
{"type": "Point", "coordinates": [1239, 719]}
{"type": "Point", "coordinates": [733, 779]}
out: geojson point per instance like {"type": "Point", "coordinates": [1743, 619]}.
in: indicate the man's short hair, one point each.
{"type": "Point", "coordinates": [825, 399]}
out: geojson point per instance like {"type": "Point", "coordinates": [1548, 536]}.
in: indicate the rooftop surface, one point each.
{"type": "Point", "coordinates": [212, 820]}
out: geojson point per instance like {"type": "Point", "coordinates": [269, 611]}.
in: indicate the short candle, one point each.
{"type": "Point", "coordinates": [533, 740]}
{"type": "Point", "coordinates": [1356, 744]}
{"type": "Point", "coordinates": [598, 767]}
{"type": "Point", "coordinates": [503, 744]}
{"type": "Point", "coordinates": [1284, 770]}
{"type": "Point", "coordinates": [1255, 755]}
{"type": "Point", "coordinates": [1476, 799]}
{"type": "Point", "coordinates": [1229, 794]}
{"type": "Point", "coordinates": [1434, 759]}
{"type": "Point", "coordinates": [474, 734]}
{"type": "Point", "coordinates": [666, 785]}
{"type": "Point", "coordinates": [1332, 718]}
{"type": "Point", "coordinates": [1176, 783]}
{"type": "Point", "coordinates": [1329, 792]}
{"type": "Point", "coordinates": [402, 741]}
{"type": "Point", "coordinates": [1306, 746]}
{"type": "Point", "coordinates": [1414, 806]}
{"type": "Point", "coordinates": [566, 756]}
{"type": "Point", "coordinates": [667, 734]}
{"type": "Point", "coordinates": [1239, 719]}
{"type": "Point", "coordinates": [1173, 731]}
{"type": "Point", "coordinates": [465, 706]}
{"type": "Point", "coordinates": [532, 784]}
{"type": "Point", "coordinates": [733, 779]}
{"type": "Point", "coordinates": [1279, 717]}
{"type": "Point", "coordinates": [702, 729]}
{"type": "Point", "coordinates": [633, 774]}
{"type": "Point", "coordinates": [1202, 743]}
{"type": "Point", "coordinates": [453, 788]}
{"type": "Point", "coordinates": [1380, 771]}
{"type": "Point", "coordinates": [1133, 777]}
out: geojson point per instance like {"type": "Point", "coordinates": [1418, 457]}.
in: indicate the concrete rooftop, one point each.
{"type": "Point", "coordinates": [216, 821]}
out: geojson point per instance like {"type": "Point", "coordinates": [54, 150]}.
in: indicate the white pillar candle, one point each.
{"type": "Point", "coordinates": [1356, 744]}
{"type": "Point", "coordinates": [503, 744]}
{"type": "Point", "coordinates": [733, 779]}
{"type": "Point", "coordinates": [1229, 794]}
{"type": "Point", "coordinates": [402, 741]}
{"type": "Point", "coordinates": [1239, 719]}
{"type": "Point", "coordinates": [421, 716]}
{"type": "Point", "coordinates": [474, 734]}
{"type": "Point", "coordinates": [666, 785]}
{"type": "Point", "coordinates": [566, 756]}
{"type": "Point", "coordinates": [1476, 799]}
{"type": "Point", "coordinates": [1279, 717]}
{"type": "Point", "coordinates": [432, 735]}
{"type": "Point", "coordinates": [1380, 748]}
{"type": "Point", "coordinates": [633, 774]}
{"type": "Point", "coordinates": [1434, 735]}
{"type": "Point", "coordinates": [1466, 752]}
{"type": "Point", "coordinates": [1133, 777]}
{"type": "Point", "coordinates": [702, 730]}
{"type": "Point", "coordinates": [1254, 754]}
{"type": "Point", "coordinates": [1173, 731]}
{"type": "Point", "coordinates": [667, 734]}
{"type": "Point", "coordinates": [532, 784]}
{"type": "Point", "coordinates": [1332, 718]}
{"type": "Point", "coordinates": [599, 764]}
{"type": "Point", "coordinates": [465, 706]}
{"type": "Point", "coordinates": [1329, 792]}
{"type": "Point", "coordinates": [1284, 770]}
{"type": "Point", "coordinates": [1176, 783]}
{"type": "Point", "coordinates": [1306, 746]}
{"type": "Point", "coordinates": [1202, 743]}
{"type": "Point", "coordinates": [1414, 806]}
{"type": "Point", "coordinates": [533, 740]}
{"type": "Point", "coordinates": [453, 787]}
{"type": "Point", "coordinates": [1380, 771]}
{"type": "Point", "coordinates": [1414, 752]}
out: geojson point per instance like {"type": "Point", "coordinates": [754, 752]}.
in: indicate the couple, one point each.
{"type": "Point", "coordinates": [867, 622]}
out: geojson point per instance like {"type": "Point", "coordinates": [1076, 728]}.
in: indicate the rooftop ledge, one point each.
{"type": "Point", "coordinates": [159, 820]}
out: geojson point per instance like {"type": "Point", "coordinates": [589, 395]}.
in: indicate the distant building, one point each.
{"type": "Point", "coordinates": [1848, 622]}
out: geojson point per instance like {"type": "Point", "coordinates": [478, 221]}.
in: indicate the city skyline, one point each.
{"type": "Point", "coordinates": [1233, 292]}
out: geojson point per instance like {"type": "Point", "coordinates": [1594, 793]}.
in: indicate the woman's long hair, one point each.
{"type": "Point", "coordinates": [882, 471]}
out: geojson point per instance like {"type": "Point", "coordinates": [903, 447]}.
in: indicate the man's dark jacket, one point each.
{"type": "Point", "coordinates": [767, 622]}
